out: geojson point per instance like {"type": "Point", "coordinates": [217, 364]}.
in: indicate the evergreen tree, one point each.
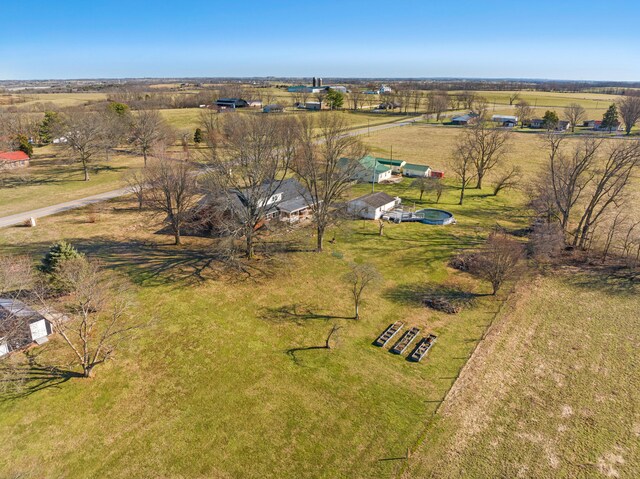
{"type": "Point", "coordinates": [119, 109]}
{"type": "Point", "coordinates": [24, 145]}
{"type": "Point", "coordinates": [550, 119]}
{"type": "Point", "coordinates": [197, 136]}
{"type": "Point", "coordinates": [58, 253]}
{"type": "Point", "coordinates": [610, 118]}
{"type": "Point", "coordinates": [335, 99]}
{"type": "Point", "coordinates": [46, 127]}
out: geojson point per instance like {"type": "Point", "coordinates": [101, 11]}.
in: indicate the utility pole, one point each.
{"type": "Point", "coordinates": [373, 175]}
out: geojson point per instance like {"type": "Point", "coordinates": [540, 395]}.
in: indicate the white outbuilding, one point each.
{"type": "Point", "coordinates": [21, 325]}
{"type": "Point", "coordinates": [373, 205]}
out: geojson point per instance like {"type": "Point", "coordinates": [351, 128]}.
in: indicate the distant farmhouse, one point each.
{"type": "Point", "coordinates": [467, 119]}
{"type": "Point", "coordinates": [539, 123]}
{"type": "Point", "coordinates": [597, 126]}
{"type": "Point", "coordinates": [231, 103]}
{"type": "Point", "coordinates": [505, 120]}
{"type": "Point", "coordinates": [13, 159]}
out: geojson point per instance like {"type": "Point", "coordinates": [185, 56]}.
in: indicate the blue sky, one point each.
{"type": "Point", "coordinates": [597, 40]}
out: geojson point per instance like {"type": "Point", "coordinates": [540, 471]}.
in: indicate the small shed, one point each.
{"type": "Point", "coordinates": [13, 159]}
{"type": "Point", "coordinates": [21, 325]}
{"type": "Point", "coordinates": [416, 171]}
{"type": "Point", "coordinates": [373, 205]}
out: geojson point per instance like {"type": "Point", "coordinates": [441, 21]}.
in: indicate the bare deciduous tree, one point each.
{"type": "Point", "coordinates": [323, 144]}
{"type": "Point", "coordinates": [437, 102]}
{"type": "Point", "coordinates": [610, 180]}
{"type": "Point", "coordinates": [574, 113]}
{"type": "Point", "coordinates": [498, 261]}
{"type": "Point", "coordinates": [84, 137]}
{"type": "Point", "coordinates": [137, 185]}
{"type": "Point", "coordinates": [359, 278]}
{"type": "Point", "coordinates": [172, 190]}
{"type": "Point", "coordinates": [510, 178]}
{"type": "Point", "coordinates": [97, 313]}
{"type": "Point", "coordinates": [513, 96]}
{"type": "Point", "coordinates": [148, 130]}
{"type": "Point", "coordinates": [569, 173]}
{"type": "Point", "coordinates": [524, 111]}
{"type": "Point", "coordinates": [462, 167]}
{"type": "Point", "coordinates": [242, 182]}
{"type": "Point", "coordinates": [629, 108]}
{"type": "Point", "coordinates": [485, 146]}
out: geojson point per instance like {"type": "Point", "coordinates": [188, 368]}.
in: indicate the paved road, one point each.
{"type": "Point", "coordinates": [20, 218]}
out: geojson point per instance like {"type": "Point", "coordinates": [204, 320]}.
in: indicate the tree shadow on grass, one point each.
{"type": "Point", "coordinates": [611, 279]}
{"type": "Point", "coordinates": [415, 294]}
{"type": "Point", "coordinates": [22, 380]}
{"type": "Point", "coordinates": [297, 313]}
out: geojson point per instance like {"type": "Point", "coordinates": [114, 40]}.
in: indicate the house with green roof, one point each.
{"type": "Point", "coordinates": [369, 169]}
{"type": "Point", "coordinates": [416, 171]}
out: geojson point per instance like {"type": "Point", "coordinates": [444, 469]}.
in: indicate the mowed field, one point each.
{"type": "Point", "coordinates": [220, 385]}
{"type": "Point", "coordinates": [553, 391]}
{"type": "Point", "coordinates": [212, 389]}
{"type": "Point", "coordinates": [55, 178]}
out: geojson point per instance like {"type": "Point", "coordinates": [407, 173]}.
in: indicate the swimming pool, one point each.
{"type": "Point", "coordinates": [431, 216]}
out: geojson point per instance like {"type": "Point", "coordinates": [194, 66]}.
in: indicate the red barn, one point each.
{"type": "Point", "coordinates": [13, 159]}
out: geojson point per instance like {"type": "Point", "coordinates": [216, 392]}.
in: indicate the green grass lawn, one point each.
{"type": "Point", "coordinates": [210, 390]}
{"type": "Point", "coordinates": [52, 178]}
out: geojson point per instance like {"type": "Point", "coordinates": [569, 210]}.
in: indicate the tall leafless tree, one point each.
{"type": "Point", "coordinates": [498, 260]}
{"type": "Point", "coordinates": [462, 167]}
{"type": "Point", "coordinates": [574, 113]}
{"type": "Point", "coordinates": [611, 178]}
{"type": "Point", "coordinates": [327, 160]}
{"type": "Point", "coordinates": [524, 111]}
{"type": "Point", "coordinates": [84, 137]}
{"type": "Point", "coordinates": [97, 313]}
{"type": "Point", "coordinates": [257, 155]}
{"type": "Point", "coordinates": [569, 173]}
{"type": "Point", "coordinates": [485, 145]}
{"type": "Point", "coordinates": [172, 191]}
{"type": "Point", "coordinates": [437, 102]}
{"type": "Point", "coordinates": [148, 130]}
{"type": "Point", "coordinates": [629, 108]}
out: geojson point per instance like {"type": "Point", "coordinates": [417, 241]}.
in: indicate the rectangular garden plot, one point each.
{"type": "Point", "coordinates": [388, 333]}
{"type": "Point", "coordinates": [405, 341]}
{"type": "Point", "coordinates": [422, 348]}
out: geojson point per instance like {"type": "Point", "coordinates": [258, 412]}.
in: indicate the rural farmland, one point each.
{"type": "Point", "coordinates": [287, 255]}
